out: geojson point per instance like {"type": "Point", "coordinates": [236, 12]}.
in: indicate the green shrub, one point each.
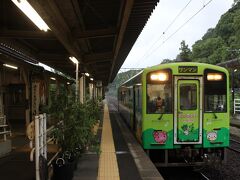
{"type": "Point", "coordinates": [78, 121]}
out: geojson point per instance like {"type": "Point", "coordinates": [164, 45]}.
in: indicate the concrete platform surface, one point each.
{"type": "Point", "coordinates": [132, 161]}
{"type": "Point", "coordinates": [87, 168]}
{"type": "Point", "coordinates": [17, 166]}
{"type": "Point", "coordinates": [5, 147]}
{"type": "Point", "coordinates": [136, 164]}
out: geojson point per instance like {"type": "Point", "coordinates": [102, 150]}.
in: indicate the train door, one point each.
{"type": "Point", "coordinates": [188, 110]}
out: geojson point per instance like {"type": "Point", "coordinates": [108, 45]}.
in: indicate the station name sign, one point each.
{"type": "Point", "coordinates": [99, 83]}
{"type": "Point", "coordinates": [187, 69]}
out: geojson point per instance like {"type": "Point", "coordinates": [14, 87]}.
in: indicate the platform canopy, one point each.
{"type": "Point", "coordinates": [233, 64]}
{"type": "Point", "coordinates": [99, 33]}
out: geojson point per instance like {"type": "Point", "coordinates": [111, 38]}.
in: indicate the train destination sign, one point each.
{"type": "Point", "coordinates": [187, 69]}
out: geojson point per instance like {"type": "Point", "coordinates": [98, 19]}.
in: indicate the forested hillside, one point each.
{"type": "Point", "coordinates": [222, 42]}
{"type": "Point", "coordinates": [120, 79]}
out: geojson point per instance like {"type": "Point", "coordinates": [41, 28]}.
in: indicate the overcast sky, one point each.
{"type": "Point", "coordinates": [150, 48]}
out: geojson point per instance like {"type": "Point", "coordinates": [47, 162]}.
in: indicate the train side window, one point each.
{"type": "Point", "coordinates": [140, 99]}
{"type": "Point", "coordinates": [159, 98]}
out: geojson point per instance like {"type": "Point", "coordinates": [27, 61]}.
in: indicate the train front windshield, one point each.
{"type": "Point", "coordinates": [159, 93]}
{"type": "Point", "coordinates": [215, 95]}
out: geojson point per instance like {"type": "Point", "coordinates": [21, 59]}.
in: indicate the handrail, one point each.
{"type": "Point", "coordinates": [53, 127]}
{"type": "Point", "coordinates": [55, 155]}
{"type": "Point", "coordinates": [4, 125]}
{"type": "Point", "coordinates": [5, 132]}
{"type": "Point", "coordinates": [43, 136]}
{"type": "Point", "coordinates": [31, 154]}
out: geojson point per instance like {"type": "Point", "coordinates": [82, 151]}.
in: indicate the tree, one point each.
{"type": "Point", "coordinates": [119, 79]}
{"type": "Point", "coordinates": [235, 2]}
{"type": "Point", "coordinates": [209, 34]}
{"type": "Point", "coordinates": [210, 50]}
{"type": "Point", "coordinates": [185, 52]}
{"type": "Point", "coordinates": [165, 61]}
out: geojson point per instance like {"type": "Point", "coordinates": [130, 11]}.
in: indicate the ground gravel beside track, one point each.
{"type": "Point", "coordinates": [231, 169]}
{"type": "Point", "coordinates": [227, 171]}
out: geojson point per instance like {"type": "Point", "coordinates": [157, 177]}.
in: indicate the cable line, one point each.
{"type": "Point", "coordinates": [205, 5]}
{"type": "Point", "coordinates": [177, 16]}
{"type": "Point", "coordinates": [167, 28]}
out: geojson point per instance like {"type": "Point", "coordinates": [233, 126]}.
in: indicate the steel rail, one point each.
{"type": "Point", "coordinates": [235, 150]}
{"type": "Point", "coordinates": [204, 176]}
{"type": "Point", "coordinates": [233, 140]}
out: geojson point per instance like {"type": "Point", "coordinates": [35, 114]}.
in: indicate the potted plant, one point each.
{"type": "Point", "coordinates": [75, 134]}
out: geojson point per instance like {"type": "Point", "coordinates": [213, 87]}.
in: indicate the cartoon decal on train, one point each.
{"type": "Point", "coordinates": [179, 112]}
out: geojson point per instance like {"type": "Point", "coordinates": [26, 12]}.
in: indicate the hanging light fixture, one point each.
{"type": "Point", "coordinates": [10, 66]}
{"type": "Point", "coordinates": [30, 12]}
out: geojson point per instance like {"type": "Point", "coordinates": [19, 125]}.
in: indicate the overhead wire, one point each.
{"type": "Point", "coordinates": [167, 28]}
{"type": "Point", "coordinates": [178, 15]}
{"type": "Point", "coordinates": [169, 37]}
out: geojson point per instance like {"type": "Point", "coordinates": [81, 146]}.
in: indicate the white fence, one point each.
{"type": "Point", "coordinates": [42, 138]}
{"type": "Point", "coordinates": [40, 141]}
{"type": "Point", "coordinates": [236, 105]}
{"type": "Point", "coordinates": [3, 127]}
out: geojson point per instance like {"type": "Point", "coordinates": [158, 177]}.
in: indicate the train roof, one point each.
{"type": "Point", "coordinates": [132, 78]}
{"type": "Point", "coordinates": [176, 64]}
{"type": "Point", "coordinates": [172, 65]}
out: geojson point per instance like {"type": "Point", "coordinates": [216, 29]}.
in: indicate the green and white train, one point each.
{"type": "Point", "coordinates": [179, 112]}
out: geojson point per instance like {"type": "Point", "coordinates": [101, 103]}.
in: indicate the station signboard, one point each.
{"type": "Point", "coordinates": [99, 84]}
{"type": "Point", "coordinates": [35, 99]}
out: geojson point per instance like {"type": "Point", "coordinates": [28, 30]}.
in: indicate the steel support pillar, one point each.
{"type": "Point", "coordinates": [82, 87]}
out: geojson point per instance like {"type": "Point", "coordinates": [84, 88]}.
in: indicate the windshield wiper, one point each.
{"type": "Point", "coordinates": [161, 115]}
{"type": "Point", "coordinates": [215, 116]}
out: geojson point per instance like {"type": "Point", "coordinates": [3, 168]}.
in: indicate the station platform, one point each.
{"type": "Point", "coordinates": [132, 161]}
{"type": "Point", "coordinates": [16, 164]}
{"type": "Point", "coordinates": [121, 156]}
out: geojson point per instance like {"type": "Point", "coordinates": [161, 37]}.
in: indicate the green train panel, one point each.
{"type": "Point", "coordinates": [195, 108]}
{"type": "Point", "coordinates": [174, 106]}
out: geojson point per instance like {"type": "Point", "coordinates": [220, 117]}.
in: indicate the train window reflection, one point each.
{"type": "Point", "coordinates": [188, 97]}
{"type": "Point", "coordinates": [215, 95]}
{"type": "Point", "coordinates": [159, 98]}
{"type": "Point", "coordinates": [215, 103]}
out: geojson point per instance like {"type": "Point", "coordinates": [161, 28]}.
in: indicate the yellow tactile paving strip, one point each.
{"type": "Point", "coordinates": [108, 167]}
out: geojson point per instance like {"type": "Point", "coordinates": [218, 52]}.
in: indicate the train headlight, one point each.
{"type": "Point", "coordinates": [214, 77]}
{"type": "Point", "coordinates": [159, 77]}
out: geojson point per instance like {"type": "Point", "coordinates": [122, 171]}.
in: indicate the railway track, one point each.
{"type": "Point", "coordinates": [204, 176]}
{"type": "Point", "coordinates": [190, 174]}
{"type": "Point", "coordinates": [233, 140]}
{"type": "Point", "coordinates": [186, 173]}
{"type": "Point", "coordinates": [235, 146]}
